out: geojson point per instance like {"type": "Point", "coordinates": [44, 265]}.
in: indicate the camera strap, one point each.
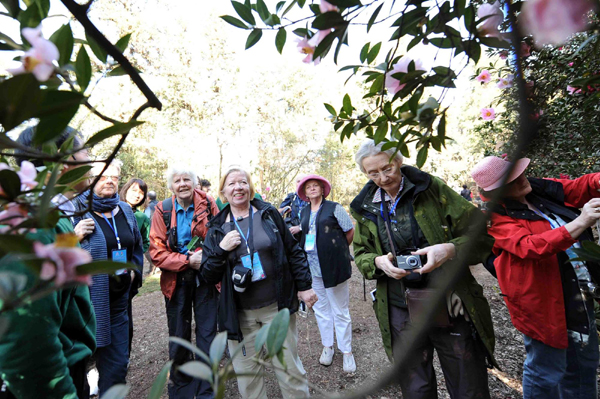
{"type": "Point", "coordinates": [248, 238]}
{"type": "Point", "coordinates": [386, 221]}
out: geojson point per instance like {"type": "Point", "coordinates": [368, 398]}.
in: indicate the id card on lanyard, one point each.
{"type": "Point", "coordinates": [251, 262]}
{"type": "Point", "coordinates": [119, 254]}
{"type": "Point", "coordinates": [311, 238]}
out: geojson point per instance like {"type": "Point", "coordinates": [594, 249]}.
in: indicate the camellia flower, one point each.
{"type": "Point", "coordinates": [40, 58]}
{"type": "Point", "coordinates": [489, 27]}
{"type": "Point", "coordinates": [503, 54]}
{"type": "Point", "coordinates": [392, 84]}
{"type": "Point", "coordinates": [268, 189]}
{"type": "Point", "coordinates": [13, 214]}
{"type": "Point", "coordinates": [488, 114]}
{"type": "Point", "coordinates": [525, 50]}
{"type": "Point", "coordinates": [554, 21]}
{"type": "Point", "coordinates": [573, 90]}
{"type": "Point", "coordinates": [27, 175]}
{"type": "Point", "coordinates": [325, 6]}
{"type": "Point", "coordinates": [484, 76]}
{"type": "Point", "coordinates": [61, 263]}
{"type": "Point", "coordinates": [307, 46]}
{"type": "Point", "coordinates": [506, 82]}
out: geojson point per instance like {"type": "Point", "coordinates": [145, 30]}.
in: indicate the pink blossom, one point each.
{"type": "Point", "coordinates": [392, 84]}
{"type": "Point", "coordinates": [27, 175]}
{"type": "Point", "coordinates": [503, 54]}
{"type": "Point", "coordinates": [504, 156]}
{"type": "Point", "coordinates": [40, 58]}
{"type": "Point", "coordinates": [554, 21]}
{"type": "Point", "coordinates": [573, 90]}
{"type": "Point", "coordinates": [268, 189]}
{"type": "Point", "coordinates": [484, 76]}
{"type": "Point", "coordinates": [13, 214]}
{"type": "Point", "coordinates": [488, 114]}
{"type": "Point", "coordinates": [489, 27]}
{"type": "Point", "coordinates": [325, 6]}
{"type": "Point", "coordinates": [506, 82]}
{"type": "Point", "coordinates": [308, 46]}
{"type": "Point", "coordinates": [570, 64]}
{"type": "Point", "coordinates": [525, 50]}
{"type": "Point", "coordinates": [61, 263]}
{"type": "Point", "coordinates": [565, 176]}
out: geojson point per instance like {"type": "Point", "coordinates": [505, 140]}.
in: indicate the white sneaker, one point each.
{"type": "Point", "coordinates": [349, 363]}
{"type": "Point", "coordinates": [327, 356]}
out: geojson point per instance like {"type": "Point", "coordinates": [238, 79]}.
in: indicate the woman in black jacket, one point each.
{"type": "Point", "coordinates": [263, 270]}
{"type": "Point", "coordinates": [326, 233]}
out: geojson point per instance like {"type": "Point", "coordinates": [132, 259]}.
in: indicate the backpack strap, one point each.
{"type": "Point", "coordinates": [209, 208]}
{"type": "Point", "coordinates": [167, 207]}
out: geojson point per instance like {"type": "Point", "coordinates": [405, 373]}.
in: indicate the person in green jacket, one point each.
{"type": "Point", "coordinates": [134, 192]}
{"type": "Point", "coordinates": [45, 350]}
{"type": "Point", "coordinates": [405, 212]}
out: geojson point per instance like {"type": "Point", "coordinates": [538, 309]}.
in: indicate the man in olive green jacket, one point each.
{"type": "Point", "coordinates": [441, 217]}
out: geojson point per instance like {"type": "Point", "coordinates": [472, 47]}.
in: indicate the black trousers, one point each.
{"type": "Point", "coordinates": [203, 299]}
{"type": "Point", "coordinates": [78, 374]}
{"type": "Point", "coordinates": [461, 356]}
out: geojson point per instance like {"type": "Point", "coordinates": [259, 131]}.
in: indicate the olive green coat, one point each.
{"type": "Point", "coordinates": [443, 216]}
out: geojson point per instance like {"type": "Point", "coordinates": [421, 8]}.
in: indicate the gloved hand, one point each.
{"type": "Point", "coordinates": [455, 306]}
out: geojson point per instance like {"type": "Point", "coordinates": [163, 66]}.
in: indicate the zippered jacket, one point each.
{"type": "Point", "coordinates": [292, 270]}
{"type": "Point", "coordinates": [163, 256]}
{"type": "Point", "coordinates": [444, 217]}
{"type": "Point", "coordinates": [527, 264]}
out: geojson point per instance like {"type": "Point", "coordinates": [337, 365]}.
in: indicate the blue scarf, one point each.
{"type": "Point", "coordinates": [100, 204]}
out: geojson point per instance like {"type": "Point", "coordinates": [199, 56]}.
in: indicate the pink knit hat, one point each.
{"type": "Point", "coordinates": [300, 187]}
{"type": "Point", "coordinates": [489, 173]}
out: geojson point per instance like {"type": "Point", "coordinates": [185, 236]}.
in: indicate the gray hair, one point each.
{"type": "Point", "coordinates": [368, 148]}
{"type": "Point", "coordinates": [180, 170]}
{"type": "Point", "coordinates": [98, 166]}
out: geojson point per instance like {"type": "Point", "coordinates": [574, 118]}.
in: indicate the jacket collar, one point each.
{"type": "Point", "coordinates": [362, 203]}
{"type": "Point", "coordinates": [219, 219]}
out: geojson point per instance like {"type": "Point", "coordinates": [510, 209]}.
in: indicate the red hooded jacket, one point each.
{"type": "Point", "coordinates": [528, 269]}
{"type": "Point", "coordinates": [168, 259]}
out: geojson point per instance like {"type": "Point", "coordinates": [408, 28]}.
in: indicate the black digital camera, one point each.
{"type": "Point", "coordinates": [410, 262]}
{"type": "Point", "coordinates": [241, 277]}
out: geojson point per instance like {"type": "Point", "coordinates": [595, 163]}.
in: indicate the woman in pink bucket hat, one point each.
{"type": "Point", "coordinates": [326, 233]}
{"type": "Point", "coordinates": [536, 225]}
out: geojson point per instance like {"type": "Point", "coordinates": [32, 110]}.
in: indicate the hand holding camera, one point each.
{"type": "Point", "coordinates": [437, 255]}
{"type": "Point", "coordinates": [231, 240]}
{"type": "Point", "coordinates": [309, 297]}
{"type": "Point", "coordinates": [384, 263]}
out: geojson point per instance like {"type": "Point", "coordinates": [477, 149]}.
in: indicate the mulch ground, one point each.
{"type": "Point", "coordinates": [149, 352]}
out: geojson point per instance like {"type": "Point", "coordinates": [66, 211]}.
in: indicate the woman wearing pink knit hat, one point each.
{"type": "Point", "coordinates": [326, 233]}
{"type": "Point", "coordinates": [536, 225]}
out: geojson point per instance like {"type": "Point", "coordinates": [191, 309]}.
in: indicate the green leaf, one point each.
{"type": "Point", "coordinates": [408, 21]}
{"type": "Point", "coordinates": [330, 109]}
{"type": "Point", "coordinates": [118, 129]}
{"type": "Point", "coordinates": [278, 332]}
{"type": "Point", "coordinates": [422, 156]}
{"type": "Point", "coordinates": [444, 71]}
{"type": "Point", "coordinates": [10, 183]}
{"type": "Point", "coordinates": [102, 267]}
{"type": "Point", "coordinates": [217, 348]}
{"type": "Point", "coordinates": [473, 50]}
{"type": "Point", "coordinates": [347, 105]}
{"type": "Point", "coordinates": [364, 52]}
{"type": "Point", "coordinates": [280, 39]}
{"type": "Point", "coordinates": [459, 8]}
{"type": "Point", "coordinates": [302, 32]}
{"type": "Point", "coordinates": [191, 347]}
{"type": "Point", "coordinates": [261, 338]}
{"type": "Point", "coordinates": [12, 6]}
{"type": "Point", "coordinates": [279, 6]}
{"type": "Point", "coordinates": [373, 17]}
{"type": "Point", "coordinates": [345, 3]}
{"type": "Point", "coordinates": [98, 51]}
{"type": "Point", "coordinates": [83, 69]}
{"type": "Point", "coordinates": [253, 38]}
{"type": "Point", "coordinates": [381, 132]}
{"type": "Point", "coordinates": [328, 20]}
{"type": "Point", "coordinates": [373, 53]}
{"type": "Point", "coordinates": [11, 243]}
{"type": "Point", "coordinates": [389, 145]}
{"type": "Point", "coordinates": [35, 13]}
{"type": "Point", "coordinates": [116, 392]}
{"type": "Point", "coordinates": [73, 174]}
{"type": "Point", "coordinates": [443, 42]}
{"type": "Point", "coordinates": [10, 43]}
{"type": "Point", "coordinates": [244, 12]}
{"type": "Point", "coordinates": [63, 39]}
{"type": "Point", "coordinates": [494, 42]}
{"type": "Point", "coordinates": [263, 11]}
{"type": "Point", "coordinates": [234, 21]}
{"type": "Point", "coordinates": [197, 369]}
{"type": "Point", "coordinates": [55, 112]}
{"type": "Point", "coordinates": [19, 99]}
{"type": "Point", "coordinates": [348, 129]}
{"type": "Point", "coordinates": [442, 127]}
{"type": "Point", "coordinates": [324, 46]}
{"type": "Point", "coordinates": [160, 382]}
{"type": "Point", "coordinates": [123, 42]}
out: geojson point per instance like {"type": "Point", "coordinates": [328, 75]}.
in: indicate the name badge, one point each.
{"type": "Point", "coordinates": [309, 244]}
{"type": "Point", "coordinates": [258, 272]}
{"type": "Point", "coordinates": [120, 255]}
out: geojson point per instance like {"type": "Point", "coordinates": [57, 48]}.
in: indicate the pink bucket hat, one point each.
{"type": "Point", "coordinates": [300, 187]}
{"type": "Point", "coordinates": [489, 173]}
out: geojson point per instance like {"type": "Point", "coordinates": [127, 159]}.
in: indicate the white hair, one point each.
{"type": "Point", "coordinates": [98, 166]}
{"type": "Point", "coordinates": [368, 148]}
{"type": "Point", "coordinates": [180, 170]}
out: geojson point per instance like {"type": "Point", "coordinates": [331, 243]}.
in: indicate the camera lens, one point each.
{"type": "Point", "coordinates": [412, 261]}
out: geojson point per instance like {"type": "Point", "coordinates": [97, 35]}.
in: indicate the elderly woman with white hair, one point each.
{"type": "Point", "coordinates": [411, 231]}
{"type": "Point", "coordinates": [178, 230]}
{"type": "Point", "coordinates": [110, 232]}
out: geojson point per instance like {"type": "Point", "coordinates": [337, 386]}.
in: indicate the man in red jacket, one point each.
{"type": "Point", "coordinates": [178, 229]}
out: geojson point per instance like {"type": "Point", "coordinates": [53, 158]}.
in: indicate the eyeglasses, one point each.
{"type": "Point", "coordinates": [113, 178]}
{"type": "Point", "coordinates": [389, 170]}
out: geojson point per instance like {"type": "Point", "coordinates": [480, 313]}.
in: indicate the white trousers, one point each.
{"type": "Point", "coordinates": [253, 386]}
{"type": "Point", "coordinates": [332, 311]}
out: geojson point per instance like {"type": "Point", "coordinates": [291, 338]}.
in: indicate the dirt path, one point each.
{"type": "Point", "coordinates": [150, 347]}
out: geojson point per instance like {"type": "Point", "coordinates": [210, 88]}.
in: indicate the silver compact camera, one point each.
{"type": "Point", "coordinates": [409, 262]}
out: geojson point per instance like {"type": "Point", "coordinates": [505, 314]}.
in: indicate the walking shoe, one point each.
{"type": "Point", "coordinates": [349, 363]}
{"type": "Point", "coordinates": [327, 356]}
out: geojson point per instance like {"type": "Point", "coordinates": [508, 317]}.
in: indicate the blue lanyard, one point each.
{"type": "Point", "coordinates": [314, 220]}
{"type": "Point", "coordinates": [113, 227]}
{"type": "Point", "coordinates": [395, 205]}
{"type": "Point", "coordinates": [247, 236]}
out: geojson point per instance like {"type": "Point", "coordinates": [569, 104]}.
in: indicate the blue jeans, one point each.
{"type": "Point", "coordinates": [112, 360]}
{"type": "Point", "coordinates": [203, 299]}
{"type": "Point", "coordinates": [570, 373]}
